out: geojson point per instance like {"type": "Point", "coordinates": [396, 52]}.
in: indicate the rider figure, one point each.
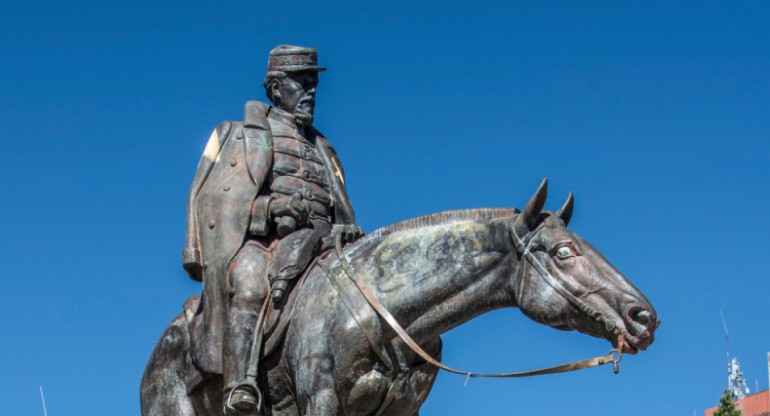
{"type": "Point", "coordinates": [268, 193]}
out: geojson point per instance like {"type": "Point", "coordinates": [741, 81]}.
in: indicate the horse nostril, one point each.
{"type": "Point", "coordinates": [642, 317]}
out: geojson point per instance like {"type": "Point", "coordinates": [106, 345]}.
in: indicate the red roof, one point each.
{"type": "Point", "coordinates": [754, 405]}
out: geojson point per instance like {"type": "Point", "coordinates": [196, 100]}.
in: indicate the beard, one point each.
{"type": "Point", "coordinates": [303, 113]}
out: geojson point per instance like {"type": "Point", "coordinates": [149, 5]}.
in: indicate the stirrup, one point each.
{"type": "Point", "coordinates": [250, 403]}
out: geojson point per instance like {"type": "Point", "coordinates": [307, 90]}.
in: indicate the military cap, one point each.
{"type": "Point", "coordinates": [289, 58]}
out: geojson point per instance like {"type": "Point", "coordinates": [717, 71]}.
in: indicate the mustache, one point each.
{"type": "Point", "coordinates": [306, 100]}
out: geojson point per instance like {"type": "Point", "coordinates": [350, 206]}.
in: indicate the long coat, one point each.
{"type": "Point", "coordinates": [228, 201]}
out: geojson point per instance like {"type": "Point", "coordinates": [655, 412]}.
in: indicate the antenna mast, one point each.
{"type": "Point", "coordinates": [45, 412]}
{"type": "Point", "coordinates": [735, 381]}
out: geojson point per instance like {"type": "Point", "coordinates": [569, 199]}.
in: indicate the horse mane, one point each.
{"type": "Point", "coordinates": [440, 218]}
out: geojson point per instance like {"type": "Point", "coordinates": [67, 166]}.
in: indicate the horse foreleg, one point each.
{"type": "Point", "coordinates": [315, 380]}
{"type": "Point", "coordinates": [324, 402]}
{"type": "Point", "coordinates": [408, 392]}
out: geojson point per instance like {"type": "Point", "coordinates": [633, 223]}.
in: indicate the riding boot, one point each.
{"type": "Point", "coordinates": [236, 354]}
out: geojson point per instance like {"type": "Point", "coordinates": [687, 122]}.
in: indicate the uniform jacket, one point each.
{"type": "Point", "coordinates": [228, 201]}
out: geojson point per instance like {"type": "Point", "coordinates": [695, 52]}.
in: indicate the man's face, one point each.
{"type": "Point", "coordinates": [297, 95]}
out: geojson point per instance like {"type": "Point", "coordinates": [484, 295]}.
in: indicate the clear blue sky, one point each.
{"type": "Point", "coordinates": [655, 114]}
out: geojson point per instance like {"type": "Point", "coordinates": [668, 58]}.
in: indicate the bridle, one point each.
{"type": "Point", "coordinates": [614, 356]}
{"type": "Point", "coordinates": [555, 279]}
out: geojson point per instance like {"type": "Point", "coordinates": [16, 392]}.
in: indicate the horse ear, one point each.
{"type": "Point", "coordinates": [531, 213]}
{"type": "Point", "coordinates": [565, 212]}
{"type": "Point", "coordinates": [527, 220]}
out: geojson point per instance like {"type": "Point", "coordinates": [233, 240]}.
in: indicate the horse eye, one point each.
{"type": "Point", "coordinates": [564, 252]}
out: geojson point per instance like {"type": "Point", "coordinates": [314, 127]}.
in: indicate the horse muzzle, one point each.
{"type": "Point", "coordinates": [640, 323]}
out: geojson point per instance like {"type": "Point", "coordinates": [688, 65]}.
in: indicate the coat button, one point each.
{"type": "Point", "coordinates": [212, 224]}
{"type": "Point", "coordinates": [226, 188]}
{"type": "Point", "coordinates": [306, 175]}
{"type": "Point", "coordinates": [233, 163]}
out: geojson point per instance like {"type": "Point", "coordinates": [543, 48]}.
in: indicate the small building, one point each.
{"type": "Point", "coordinates": [757, 404]}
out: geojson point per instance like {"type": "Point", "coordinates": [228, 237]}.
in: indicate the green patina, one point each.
{"type": "Point", "coordinates": [263, 144]}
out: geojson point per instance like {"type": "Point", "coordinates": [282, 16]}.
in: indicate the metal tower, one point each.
{"type": "Point", "coordinates": [735, 381]}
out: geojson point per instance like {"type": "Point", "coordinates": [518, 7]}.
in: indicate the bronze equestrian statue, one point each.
{"type": "Point", "coordinates": [330, 353]}
{"type": "Point", "coordinates": [263, 203]}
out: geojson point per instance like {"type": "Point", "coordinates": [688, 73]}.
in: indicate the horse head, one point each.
{"type": "Point", "coordinates": [565, 283]}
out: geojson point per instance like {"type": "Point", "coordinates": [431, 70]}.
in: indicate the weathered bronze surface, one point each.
{"type": "Point", "coordinates": [266, 202]}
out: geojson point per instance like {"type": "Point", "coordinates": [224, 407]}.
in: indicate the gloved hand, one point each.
{"type": "Point", "coordinates": [350, 232]}
{"type": "Point", "coordinates": [289, 213]}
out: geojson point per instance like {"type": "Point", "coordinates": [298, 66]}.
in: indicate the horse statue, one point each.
{"type": "Point", "coordinates": [334, 355]}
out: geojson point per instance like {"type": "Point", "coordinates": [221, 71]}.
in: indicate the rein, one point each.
{"type": "Point", "coordinates": [614, 356]}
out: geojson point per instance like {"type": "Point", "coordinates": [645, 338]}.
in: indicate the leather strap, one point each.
{"type": "Point", "coordinates": [251, 373]}
{"type": "Point", "coordinates": [557, 281]}
{"type": "Point", "coordinates": [385, 314]}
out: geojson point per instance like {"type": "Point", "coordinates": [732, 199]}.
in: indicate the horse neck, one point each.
{"type": "Point", "coordinates": [436, 277]}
